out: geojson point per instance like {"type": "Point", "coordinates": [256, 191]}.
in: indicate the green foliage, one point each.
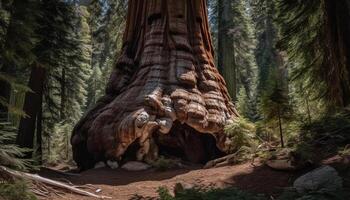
{"type": "Point", "coordinates": [60, 148]}
{"type": "Point", "coordinates": [211, 194]}
{"type": "Point", "coordinates": [276, 104]}
{"type": "Point", "coordinates": [329, 132]}
{"type": "Point", "coordinates": [16, 191]}
{"type": "Point", "coordinates": [246, 105]}
{"type": "Point", "coordinates": [164, 194]}
{"type": "Point", "coordinates": [107, 22]}
{"type": "Point", "coordinates": [10, 153]}
{"type": "Point", "coordinates": [309, 37]}
{"type": "Point", "coordinates": [243, 139]}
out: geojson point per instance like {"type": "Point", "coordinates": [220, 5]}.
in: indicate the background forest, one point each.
{"type": "Point", "coordinates": [56, 57]}
{"type": "Point", "coordinates": [286, 64]}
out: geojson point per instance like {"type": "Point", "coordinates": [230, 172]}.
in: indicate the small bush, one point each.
{"type": "Point", "coordinates": [163, 164]}
{"type": "Point", "coordinates": [16, 191]}
{"type": "Point", "coordinates": [327, 134]}
{"type": "Point", "coordinates": [241, 134]}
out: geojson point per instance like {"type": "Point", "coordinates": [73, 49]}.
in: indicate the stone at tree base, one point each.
{"type": "Point", "coordinates": [112, 164]}
{"type": "Point", "coordinates": [99, 165]}
{"type": "Point", "coordinates": [135, 166]}
{"type": "Point", "coordinates": [325, 178]}
{"type": "Point", "coordinates": [284, 165]}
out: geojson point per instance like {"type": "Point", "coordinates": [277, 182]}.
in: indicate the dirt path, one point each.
{"type": "Point", "coordinates": [122, 185]}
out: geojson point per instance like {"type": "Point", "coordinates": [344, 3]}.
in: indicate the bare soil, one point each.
{"type": "Point", "coordinates": [121, 185]}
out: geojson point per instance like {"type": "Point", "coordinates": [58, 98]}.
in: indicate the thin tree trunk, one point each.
{"type": "Point", "coordinates": [280, 127]}
{"type": "Point", "coordinates": [32, 107]}
{"type": "Point", "coordinates": [5, 91]}
{"type": "Point", "coordinates": [63, 94]}
{"type": "Point", "coordinates": [39, 128]}
{"type": "Point", "coordinates": [308, 109]}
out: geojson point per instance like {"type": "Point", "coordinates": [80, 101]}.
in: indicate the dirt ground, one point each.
{"type": "Point", "coordinates": [122, 185]}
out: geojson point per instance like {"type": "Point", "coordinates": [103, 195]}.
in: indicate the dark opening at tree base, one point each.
{"type": "Point", "coordinates": [182, 142]}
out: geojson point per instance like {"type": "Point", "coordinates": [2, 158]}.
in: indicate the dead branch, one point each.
{"type": "Point", "coordinates": [59, 172]}
{"type": "Point", "coordinates": [37, 178]}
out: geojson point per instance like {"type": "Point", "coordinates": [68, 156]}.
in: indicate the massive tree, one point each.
{"type": "Point", "coordinates": [164, 95]}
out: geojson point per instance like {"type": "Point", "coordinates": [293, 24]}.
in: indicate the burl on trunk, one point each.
{"type": "Point", "coordinates": [165, 94]}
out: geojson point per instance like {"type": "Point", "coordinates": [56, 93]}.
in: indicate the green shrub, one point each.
{"type": "Point", "coordinates": [241, 133]}
{"type": "Point", "coordinates": [16, 191]}
{"type": "Point", "coordinates": [328, 134]}
{"type": "Point", "coordinates": [163, 164]}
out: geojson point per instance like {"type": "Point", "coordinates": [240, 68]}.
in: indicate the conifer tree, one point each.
{"type": "Point", "coordinates": [315, 34]}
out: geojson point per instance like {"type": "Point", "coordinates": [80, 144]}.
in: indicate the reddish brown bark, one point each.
{"type": "Point", "coordinates": [33, 108]}
{"type": "Point", "coordinates": [164, 92]}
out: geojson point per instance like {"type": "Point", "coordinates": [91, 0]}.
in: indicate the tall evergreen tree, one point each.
{"type": "Point", "coordinates": [18, 25]}
{"type": "Point", "coordinates": [226, 59]}
{"type": "Point", "coordinates": [316, 35]}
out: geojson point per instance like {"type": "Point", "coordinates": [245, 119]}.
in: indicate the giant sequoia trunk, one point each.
{"type": "Point", "coordinates": [337, 32]}
{"type": "Point", "coordinates": [165, 94]}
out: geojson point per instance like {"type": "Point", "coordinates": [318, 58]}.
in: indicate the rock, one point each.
{"type": "Point", "coordinates": [112, 164]}
{"type": "Point", "coordinates": [325, 178]}
{"type": "Point", "coordinates": [284, 165]}
{"type": "Point", "coordinates": [99, 165]}
{"type": "Point", "coordinates": [135, 166]}
{"type": "Point", "coordinates": [181, 187]}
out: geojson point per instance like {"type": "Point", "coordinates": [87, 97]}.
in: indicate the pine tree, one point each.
{"type": "Point", "coordinates": [276, 107]}
{"type": "Point", "coordinates": [316, 36]}
{"type": "Point", "coordinates": [226, 55]}
{"type": "Point", "coordinates": [66, 88]}
{"type": "Point", "coordinates": [243, 48]}
{"type": "Point", "coordinates": [107, 20]}
{"type": "Point", "coordinates": [17, 40]}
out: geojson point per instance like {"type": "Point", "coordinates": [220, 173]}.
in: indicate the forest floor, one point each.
{"type": "Point", "coordinates": [122, 185]}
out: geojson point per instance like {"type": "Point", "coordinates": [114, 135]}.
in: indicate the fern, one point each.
{"type": "Point", "coordinates": [10, 153]}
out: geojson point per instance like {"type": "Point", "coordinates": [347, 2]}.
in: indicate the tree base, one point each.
{"type": "Point", "coordinates": [165, 94]}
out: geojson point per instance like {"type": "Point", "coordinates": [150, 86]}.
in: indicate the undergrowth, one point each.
{"type": "Point", "coordinates": [327, 136]}
{"type": "Point", "coordinates": [163, 164]}
{"type": "Point", "coordinates": [15, 191]}
{"type": "Point", "coordinates": [10, 153]}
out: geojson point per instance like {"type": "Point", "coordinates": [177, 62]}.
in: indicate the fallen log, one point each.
{"type": "Point", "coordinates": [53, 183]}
